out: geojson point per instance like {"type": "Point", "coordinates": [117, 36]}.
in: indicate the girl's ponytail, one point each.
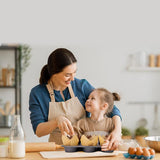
{"type": "Point", "coordinates": [116, 97]}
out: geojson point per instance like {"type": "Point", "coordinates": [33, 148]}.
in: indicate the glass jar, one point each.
{"type": "Point", "coordinates": [4, 146]}
{"type": "Point", "coordinates": [17, 139]}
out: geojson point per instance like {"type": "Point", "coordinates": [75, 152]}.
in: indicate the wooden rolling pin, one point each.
{"type": "Point", "coordinates": [42, 146]}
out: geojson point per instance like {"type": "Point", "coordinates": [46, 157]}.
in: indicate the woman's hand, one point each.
{"type": "Point", "coordinates": [115, 136]}
{"type": "Point", "coordinates": [64, 125]}
{"type": "Point", "coordinates": [113, 140]}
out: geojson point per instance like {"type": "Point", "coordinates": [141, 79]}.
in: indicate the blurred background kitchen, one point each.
{"type": "Point", "coordinates": [116, 44]}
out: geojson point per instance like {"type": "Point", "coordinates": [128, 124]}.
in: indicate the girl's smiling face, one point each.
{"type": "Point", "coordinates": [93, 103]}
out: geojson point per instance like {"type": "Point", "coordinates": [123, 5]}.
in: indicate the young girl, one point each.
{"type": "Point", "coordinates": [100, 103]}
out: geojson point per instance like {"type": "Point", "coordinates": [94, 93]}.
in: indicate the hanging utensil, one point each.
{"type": "Point", "coordinates": [142, 122]}
{"type": "Point", "coordinates": [12, 110]}
{"type": "Point", "coordinates": [2, 111]}
{"type": "Point", "coordinates": [156, 122]}
{"type": "Point", "coordinates": [7, 107]}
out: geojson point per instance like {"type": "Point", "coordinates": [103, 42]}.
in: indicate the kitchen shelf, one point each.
{"type": "Point", "coordinates": [142, 69]}
{"type": "Point", "coordinates": [144, 102]}
{"type": "Point", "coordinates": [1, 127]}
{"type": "Point", "coordinates": [7, 86]}
{"type": "Point", "coordinates": [2, 47]}
{"type": "Point", "coordinates": [16, 86]}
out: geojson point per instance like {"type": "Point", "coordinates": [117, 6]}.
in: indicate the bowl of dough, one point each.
{"type": "Point", "coordinates": [153, 142]}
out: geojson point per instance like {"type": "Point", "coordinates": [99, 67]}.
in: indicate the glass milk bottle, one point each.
{"type": "Point", "coordinates": [16, 139]}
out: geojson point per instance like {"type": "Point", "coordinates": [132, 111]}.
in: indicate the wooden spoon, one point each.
{"type": "Point", "coordinates": [2, 112]}
{"type": "Point", "coordinates": [7, 107]}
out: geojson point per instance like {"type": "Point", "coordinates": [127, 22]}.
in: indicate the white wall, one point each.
{"type": "Point", "coordinates": [101, 34]}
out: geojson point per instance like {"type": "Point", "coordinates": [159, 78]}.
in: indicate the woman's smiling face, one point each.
{"type": "Point", "coordinates": [64, 78]}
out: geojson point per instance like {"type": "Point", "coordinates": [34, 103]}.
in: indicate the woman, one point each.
{"type": "Point", "coordinates": [58, 101]}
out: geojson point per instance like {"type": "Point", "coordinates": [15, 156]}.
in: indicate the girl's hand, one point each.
{"type": "Point", "coordinates": [113, 140]}
{"type": "Point", "coordinates": [64, 125]}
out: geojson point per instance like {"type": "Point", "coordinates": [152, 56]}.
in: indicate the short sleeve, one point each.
{"type": "Point", "coordinates": [115, 112]}
{"type": "Point", "coordinates": [36, 115]}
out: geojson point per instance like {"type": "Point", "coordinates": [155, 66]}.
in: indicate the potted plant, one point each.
{"type": "Point", "coordinates": [140, 133]}
{"type": "Point", "coordinates": [126, 134]}
{"type": "Point", "coordinates": [23, 58]}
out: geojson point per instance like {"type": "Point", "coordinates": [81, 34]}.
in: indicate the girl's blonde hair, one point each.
{"type": "Point", "coordinates": [108, 97]}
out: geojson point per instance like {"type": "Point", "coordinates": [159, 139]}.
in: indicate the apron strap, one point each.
{"type": "Point", "coordinates": [51, 93]}
{"type": "Point", "coordinates": [71, 91]}
{"type": "Point", "coordinates": [50, 90]}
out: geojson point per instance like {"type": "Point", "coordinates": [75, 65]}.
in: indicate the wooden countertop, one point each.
{"type": "Point", "coordinates": [37, 156]}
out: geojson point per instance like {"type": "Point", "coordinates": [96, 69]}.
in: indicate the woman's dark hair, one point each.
{"type": "Point", "coordinates": [57, 61]}
{"type": "Point", "coordinates": [106, 96]}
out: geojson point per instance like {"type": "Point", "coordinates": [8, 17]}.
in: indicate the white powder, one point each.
{"type": "Point", "coordinates": [4, 150]}
{"type": "Point", "coordinates": [126, 143]}
{"type": "Point", "coordinates": [16, 149]}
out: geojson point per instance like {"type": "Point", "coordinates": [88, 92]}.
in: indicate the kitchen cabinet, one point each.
{"type": "Point", "coordinates": [150, 99]}
{"type": "Point", "coordinates": [156, 122]}
{"type": "Point", "coordinates": [10, 84]}
{"type": "Point", "coordinates": [144, 69]}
